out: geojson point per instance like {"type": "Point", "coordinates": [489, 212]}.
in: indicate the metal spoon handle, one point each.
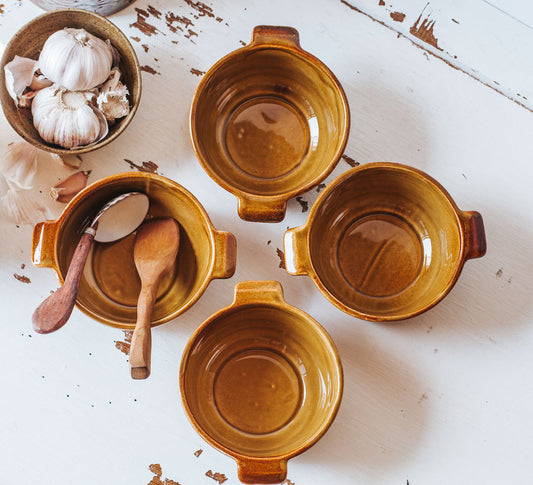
{"type": "Point", "coordinates": [54, 312]}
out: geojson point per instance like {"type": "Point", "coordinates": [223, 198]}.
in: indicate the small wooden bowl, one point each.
{"type": "Point", "coordinates": [28, 42]}
{"type": "Point", "coordinates": [261, 381]}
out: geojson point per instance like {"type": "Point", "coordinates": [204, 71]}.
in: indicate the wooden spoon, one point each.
{"type": "Point", "coordinates": [156, 247]}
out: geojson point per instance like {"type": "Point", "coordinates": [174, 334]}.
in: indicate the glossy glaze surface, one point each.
{"type": "Point", "coordinates": [268, 122]}
{"type": "Point", "coordinates": [204, 252]}
{"type": "Point", "coordinates": [28, 41]}
{"type": "Point", "coordinates": [385, 242]}
{"type": "Point", "coordinates": [260, 378]}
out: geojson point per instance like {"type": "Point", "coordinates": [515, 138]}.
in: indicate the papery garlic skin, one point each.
{"type": "Point", "coordinates": [67, 118]}
{"type": "Point", "coordinates": [24, 207]}
{"type": "Point", "coordinates": [19, 75]}
{"type": "Point", "coordinates": [18, 165]}
{"type": "Point", "coordinates": [75, 59]}
{"type": "Point", "coordinates": [112, 100]}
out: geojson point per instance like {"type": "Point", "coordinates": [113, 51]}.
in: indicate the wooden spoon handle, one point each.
{"type": "Point", "coordinates": [141, 341]}
{"type": "Point", "coordinates": [55, 311]}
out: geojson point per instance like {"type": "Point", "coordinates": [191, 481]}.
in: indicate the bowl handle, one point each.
{"type": "Point", "coordinates": [262, 470]}
{"type": "Point", "coordinates": [225, 254]}
{"type": "Point", "coordinates": [42, 247]}
{"type": "Point", "coordinates": [261, 209]}
{"type": "Point", "coordinates": [295, 248]}
{"type": "Point", "coordinates": [258, 292]}
{"type": "Point", "coordinates": [269, 34]}
{"type": "Point", "coordinates": [475, 241]}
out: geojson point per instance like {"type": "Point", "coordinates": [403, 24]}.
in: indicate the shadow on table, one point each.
{"type": "Point", "coordinates": [387, 411]}
{"type": "Point", "coordinates": [492, 298]}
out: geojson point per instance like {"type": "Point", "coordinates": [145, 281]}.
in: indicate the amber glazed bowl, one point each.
{"type": "Point", "coordinates": [268, 122]}
{"type": "Point", "coordinates": [384, 242]}
{"type": "Point", "coordinates": [110, 286]}
{"type": "Point", "coordinates": [261, 381]}
{"type": "Point", "coordinates": [28, 42]}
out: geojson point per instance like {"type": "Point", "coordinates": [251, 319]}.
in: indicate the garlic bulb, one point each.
{"type": "Point", "coordinates": [113, 98]}
{"type": "Point", "coordinates": [75, 59]}
{"type": "Point", "coordinates": [67, 118]}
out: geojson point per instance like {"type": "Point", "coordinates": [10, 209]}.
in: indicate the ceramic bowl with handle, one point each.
{"type": "Point", "coordinates": [110, 286]}
{"type": "Point", "coordinates": [268, 122]}
{"type": "Point", "coordinates": [261, 381]}
{"type": "Point", "coordinates": [384, 242]}
{"type": "Point", "coordinates": [28, 42]}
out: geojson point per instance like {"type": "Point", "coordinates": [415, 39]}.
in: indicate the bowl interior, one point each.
{"type": "Point", "coordinates": [269, 121]}
{"type": "Point", "coordinates": [28, 42]}
{"type": "Point", "coordinates": [261, 381]}
{"type": "Point", "coordinates": [386, 242]}
{"type": "Point", "coordinates": [110, 285]}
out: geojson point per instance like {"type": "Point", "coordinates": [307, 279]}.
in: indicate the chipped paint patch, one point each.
{"type": "Point", "coordinates": [218, 477]}
{"type": "Point", "coordinates": [21, 278]}
{"type": "Point", "coordinates": [423, 29]}
{"type": "Point", "coordinates": [156, 480]}
{"type": "Point", "coordinates": [281, 256]}
{"type": "Point", "coordinates": [303, 203]}
{"type": "Point", "coordinates": [153, 11]}
{"type": "Point", "coordinates": [197, 72]}
{"type": "Point", "coordinates": [142, 24]}
{"type": "Point", "coordinates": [320, 187]}
{"type": "Point", "coordinates": [124, 347]}
{"type": "Point", "coordinates": [350, 161]}
{"type": "Point", "coordinates": [202, 9]}
{"type": "Point", "coordinates": [2, 8]}
{"type": "Point", "coordinates": [149, 70]}
{"type": "Point", "coordinates": [149, 166]}
{"type": "Point", "coordinates": [183, 22]}
{"type": "Point", "coordinates": [397, 16]}
{"type": "Point", "coordinates": [197, 453]}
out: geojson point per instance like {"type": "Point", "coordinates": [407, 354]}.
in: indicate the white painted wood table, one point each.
{"type": "Point", "coordinates": [444, 86]}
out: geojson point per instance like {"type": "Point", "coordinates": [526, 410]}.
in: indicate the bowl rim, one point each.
{"type": "Point", "coordinates": [133, 95]}
{"type": "Point", "coordinates": [405, 170]}
{"type": "Point", "coordinates": [301, 53]}
{"type": "Point", "coordinates": [284, 306]}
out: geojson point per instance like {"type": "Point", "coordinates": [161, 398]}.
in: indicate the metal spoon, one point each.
{"type": "Point", "coordinates": [115, 220]}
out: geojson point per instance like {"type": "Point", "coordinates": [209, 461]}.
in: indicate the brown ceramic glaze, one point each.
{"type": "Point", "coordinates": [384, 242]}
{"type": "Point", "coordinates": [28, 41]}
{"type": "Point", "coordinates": [268, 122]}
{"type": "Point", "coordinates": [110, 285]}
{"type": "Point", "coordinates": [261, 381]}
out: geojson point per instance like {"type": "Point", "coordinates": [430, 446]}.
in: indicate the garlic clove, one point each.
{"type": "Point", "coordinates": [75, 59]}
{"type": "Point", "coordinates": [19, 74]}
{"type": "Point", "coordinates": [18, 165]}
{"type": "Point", "coordinates": [65, 190]}
{"type": "Point", "coordinates": [67, 118]}
{"type": "Point", "coordinates": [39, 81]}
{"type": "Point", "coordinates": [113, 98]}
